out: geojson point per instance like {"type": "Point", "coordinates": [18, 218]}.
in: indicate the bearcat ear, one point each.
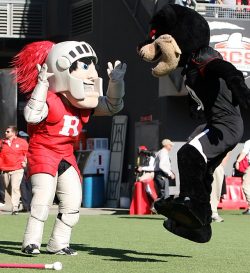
{"type": "Point", "coordinates": [24, 64]}
{"type": "Point", "coordinates": [189, 29]}
{"type": "Point", "coordinates": [164, 20]}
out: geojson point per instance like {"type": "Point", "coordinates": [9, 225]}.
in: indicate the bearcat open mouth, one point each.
{"type": "Point", "coordinates": [158, 54]}
{"type": "Point", "coordinates": [165, 51]}
{"type": "Point", "coordinates": [150, 52]}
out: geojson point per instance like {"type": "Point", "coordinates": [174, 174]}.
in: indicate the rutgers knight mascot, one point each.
{"type": "Point", "coordinates": [63, 89]}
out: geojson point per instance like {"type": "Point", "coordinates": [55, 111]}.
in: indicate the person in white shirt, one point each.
{"type": "Point", "coordinates": [145, 173]}
{"type": "Point", "coordinates": [146, 168]}
{"type": "Point", "coordinates": [164, 176]}
{"type": "Point", "coordinates": [246, 176]}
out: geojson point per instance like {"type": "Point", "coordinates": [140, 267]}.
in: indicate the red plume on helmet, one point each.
{"type": "Point", "coordinates": [25, 62]}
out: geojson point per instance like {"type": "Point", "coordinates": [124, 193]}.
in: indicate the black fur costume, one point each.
{"type": "Point", "coordinates": [217, 89]}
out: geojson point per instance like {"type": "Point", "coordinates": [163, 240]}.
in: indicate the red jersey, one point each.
{"type": "Point", "coordinates": [12, 154]}
{"type": "Point", "coordinates": [52, 139]}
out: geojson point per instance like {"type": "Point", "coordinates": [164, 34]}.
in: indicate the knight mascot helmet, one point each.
{"type": "Point", "coordinates": [59, 61]}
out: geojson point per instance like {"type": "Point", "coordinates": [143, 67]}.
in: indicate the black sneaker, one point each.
{"type": "Point", "coordinates": [246, 212]}
{"type": "Point", "coordinates": [14, 212]}
{"type": "Point", "coordinates": [31, 249]}
{"type": "Point", "coordinates": [199, 235]}
{"type": "Point", "coordinates": [179, 209]}
{"type": "Point", "coordinates": [66, 251]}
{"type": "Point", "coordinates": [24, 210]}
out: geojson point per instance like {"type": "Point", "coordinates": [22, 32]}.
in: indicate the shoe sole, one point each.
{"type": "Point", "coordinates": [200, 235]}
{"type": "Point", "coordinates": [218, 220]}
{"type": "Point", "coordinates": [34, 252]}
{"type": "Point", "coordinates": [74, 254]}
{"type": "Point", "coordinates": [62, 253]}
{"type": "Point", "coordinates": [181, 214]}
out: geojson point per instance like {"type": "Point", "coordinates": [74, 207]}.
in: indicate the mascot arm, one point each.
{"type": "Point", "coordinates": [112, 103]}
{"type": "Point", "coordinates": [234, 79]}
{"type": "Point", "coordinates": [36, 109]}
{"type": "Point", "coordinates": [195, 111]}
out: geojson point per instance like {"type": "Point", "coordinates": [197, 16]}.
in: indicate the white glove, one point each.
{"type": "Point", "coordinates": [43, 75]}
{"type": "Point", "coordinates": [117, 72]}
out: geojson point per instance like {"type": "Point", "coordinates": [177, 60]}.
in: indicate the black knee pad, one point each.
{"type": "Point", "coordinates": [69, 219]}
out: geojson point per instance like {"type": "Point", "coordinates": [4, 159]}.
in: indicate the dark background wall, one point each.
{"type": "Point", "coordinates": [115, 37]}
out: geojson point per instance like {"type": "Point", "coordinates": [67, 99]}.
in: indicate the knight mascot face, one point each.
{"type": "Point", "coordinates": [74, 73]}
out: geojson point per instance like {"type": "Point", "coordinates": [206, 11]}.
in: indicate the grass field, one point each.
{"type": "Point", "coordinates": [135, 244]}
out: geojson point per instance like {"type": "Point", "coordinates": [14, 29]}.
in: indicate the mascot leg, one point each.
{"type": "Point", "coordinates": [69, 193]}
{"type": "Point", "coordinates": [43, 190]}
{"type": "Point", "coordinates": [191, 210]}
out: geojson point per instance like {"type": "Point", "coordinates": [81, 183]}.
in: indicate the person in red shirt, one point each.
{"type": "Point", "coordinates": [62, 93]}
{"type": "Point", "coordinates": [13, 150]}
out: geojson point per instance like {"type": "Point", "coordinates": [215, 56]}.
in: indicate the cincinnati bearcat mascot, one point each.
{"type": "Point", "coordinates": [63, 90]}
{"type": "Point", "coordinates": [179, 37]}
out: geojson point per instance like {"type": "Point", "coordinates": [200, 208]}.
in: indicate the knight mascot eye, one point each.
{"type": "Point", "coordinates": [85, 66]}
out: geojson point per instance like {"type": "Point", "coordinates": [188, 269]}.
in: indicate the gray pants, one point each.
{"type": "Point", "coordinates": [162, 185]}
{"type": "Point", "coordinates": [68, 189]}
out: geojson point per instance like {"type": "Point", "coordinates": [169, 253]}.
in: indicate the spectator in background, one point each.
{"type": "Point", "coordinates": [145, 173]}
{"type": "Point", "coordinates": [228, 3]}
{"type": "Point", "coordinates": [2, 189]}
{"type": "Point", "coordinates": [186, 3]}
{"type": "Point", "coordinates": [25, 187]}
{"type": "Point", "coordinates": [246, 177]}
{"type": "Point", "coordinates": [164, 176]}
{"type": "Point", "coordinates": [13, 151]}
{"type": "Point", "coordinates": [218, 179]}
{"type": "Point", "coordinates": [145, 164]}
{"type": "Point", "coordinates": [227, 9]}
{"type": "Point", "coordinates": [156, 166]}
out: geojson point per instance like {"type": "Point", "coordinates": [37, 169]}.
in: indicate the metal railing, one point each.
{"type": "Point", "coordinates": [240, 12]}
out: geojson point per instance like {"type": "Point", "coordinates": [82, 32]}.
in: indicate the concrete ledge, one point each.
{"type": "Point", "coordinates": [7, 209]}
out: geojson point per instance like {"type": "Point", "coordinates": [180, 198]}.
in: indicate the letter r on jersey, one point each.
{"type": "Point", "coordinates": [70, 123]}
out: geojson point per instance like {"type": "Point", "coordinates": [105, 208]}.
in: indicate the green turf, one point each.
{"type": "Point", "coordinates": [126, 244]}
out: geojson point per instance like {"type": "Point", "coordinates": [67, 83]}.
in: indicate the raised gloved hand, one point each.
{"type": "Point", "coordinates": [116, 72]}
{"type": "Point", "coordinates": [43, 75]}
{"type": "Point", "coordinates": [240, 90]}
